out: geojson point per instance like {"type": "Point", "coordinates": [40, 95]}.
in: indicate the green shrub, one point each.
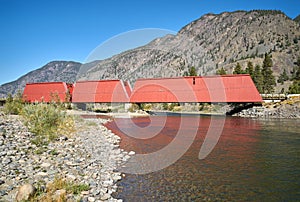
{"type": "Point", "coordinates": [47, 122]}
{"type": "Point", "coordinates": [14, 105]}
{"type": "Point", "coordinates": [133, 108]}
{"type": "Point", "coordinates": [173, 106]}
{"type": "Point", "coordinates": [146, 107]}
{"type": "Point", "coordinates": [165, 106]}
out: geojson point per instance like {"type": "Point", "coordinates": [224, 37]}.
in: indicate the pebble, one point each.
{"type": "Point", "coordinates": [88, 157]}
{"type": "Point", "coordinates": [105, 196]}
{"type": "Point", "coordinates": [91, 199]}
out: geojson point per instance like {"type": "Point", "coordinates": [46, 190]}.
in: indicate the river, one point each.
{"type": "Point", "coordinates": [250, 160]}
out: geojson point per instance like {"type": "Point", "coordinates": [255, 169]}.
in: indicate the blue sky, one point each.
{"type": "Point", "coordinates": [35, 32]}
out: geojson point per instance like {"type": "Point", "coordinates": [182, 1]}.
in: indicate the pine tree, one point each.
{"type": "Point", "coordinates": [238, 69]}
{"type": "Point", "coordinates": [221, 71]}
{"type": "Point", "coordinates": [295, 87]}
{"type": "Point", "coordinates": [268, 77]}
{"type": "Point", "coordinates": [250, 69]}
{"type": "Point", "coordinates": [192, 71]}
{"type": "Point", "coordinates": [297, 74]}
{"type": "Point", "coordinates": [258, 78]}
{"type": "Point", "coordinates": [283, 77]}
{"type": "Point", "coordinates": [267, 61]}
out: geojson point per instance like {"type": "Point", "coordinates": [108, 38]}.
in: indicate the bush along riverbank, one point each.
{"type": "Point", "coordinates": [77, 167]}
{"type": "Point", "coordinates": [285, 109]}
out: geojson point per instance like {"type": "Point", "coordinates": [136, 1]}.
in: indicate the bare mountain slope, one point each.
{"type": "Point", "coordinates": [53, 71]}
{"type": "Point", "coordinates": [297, 19]}
{"type": "Point", "coordinates": [209, 43]}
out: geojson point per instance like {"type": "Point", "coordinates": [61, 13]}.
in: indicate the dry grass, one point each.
{"type": "Point", "coordinates": [58, 190]}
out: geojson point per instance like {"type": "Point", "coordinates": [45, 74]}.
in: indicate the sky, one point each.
{"type": "Point", "coordinates": [35, 32]}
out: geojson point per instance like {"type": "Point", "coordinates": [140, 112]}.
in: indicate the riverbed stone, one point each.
{"type": "Point", "coordinates": [25, 192]}
{"type": "Point", "coordinates": [105, 196]}
{"type": "Point", "coordinates": [91, 156]}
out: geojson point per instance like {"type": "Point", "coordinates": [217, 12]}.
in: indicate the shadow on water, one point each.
{"type": "Point", "coordinates": [254, 160]}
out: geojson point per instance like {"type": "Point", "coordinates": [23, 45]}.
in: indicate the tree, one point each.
{"type": "Point", "coordinates": [297, 70]}
{"type": "Point", "coordinates": [221, 71]}
{"type": "Point", "coordinates": [295, 87]}
{"type": "Point", "coordinates": [250, 69]}
{"type": "Point", "coordinates": [268, 77]}
{"type": "Point", "coordinates": [192, 71]}
{"type": "Point", "coordinates": [298, 62]}
{"type": "Point", "coordinates": [238, 69]}
{"type": "Point", "coordinates": [283, 77]}
{"type": "Point", "coordinates": [267, 61]}
{"type": "Point", "coordinates": [258, 78]}
{"type": "Point", "coordinates": [295, 73]}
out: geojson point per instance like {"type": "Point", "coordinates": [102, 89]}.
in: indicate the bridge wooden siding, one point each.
{"type": "Point", "coordinates": [209, 89]}
{"type": "Point", "coordinates": [104, 91]}
{"type": "Point", "coordinates": [47, 92]}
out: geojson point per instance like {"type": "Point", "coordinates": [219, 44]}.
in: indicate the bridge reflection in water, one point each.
{"type": "Point", "coordinates": [254, 160]}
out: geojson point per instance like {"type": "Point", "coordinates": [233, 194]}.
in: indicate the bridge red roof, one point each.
{"type": "Point", "coordinates": [103, 91]}
{"type": "Point", "coordinates": [226, 88]}
{"type": "Point", "coordinates": [46, 92]}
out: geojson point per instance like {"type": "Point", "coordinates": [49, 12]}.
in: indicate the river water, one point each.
{"type": "Point", "coordinates": [251, 160]}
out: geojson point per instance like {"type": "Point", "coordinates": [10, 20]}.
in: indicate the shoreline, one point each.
{"type": "Point", "coordinates": [276, 110]}
{"type": "Point", "coordinates": [265, 112]}
{"type": "Point", "coordinates": [90, 156]}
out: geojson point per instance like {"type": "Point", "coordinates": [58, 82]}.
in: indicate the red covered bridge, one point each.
{"type": "Point", "coordinates": [104, 91]}
{"type": "Point", "coordinates": [211, 89]}
{"type": "Point", "coordinates": [47, 92]}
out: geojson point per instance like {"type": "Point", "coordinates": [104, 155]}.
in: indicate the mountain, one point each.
{"type": "Point", "coordinates": [53, 71]}
{"type": "Point", "coordinates": [297, 19]}
{"type": "Point", "coordinates": [208, 43]}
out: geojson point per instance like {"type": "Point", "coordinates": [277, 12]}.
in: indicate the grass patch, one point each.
{"type": "Point", "coordinates": [91, 124]}
{"type": "Point", "coordinates": [50, 194]}
{"type": "Point", "coordinates": [54, 152]}
{"type": "Point", "coordinates": [39, 150]}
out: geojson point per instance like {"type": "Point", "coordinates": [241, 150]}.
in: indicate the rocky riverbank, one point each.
{"type": "Point", "coordinates": [89, 157]}
{"type": "Point", "coordinates": [286, 109]}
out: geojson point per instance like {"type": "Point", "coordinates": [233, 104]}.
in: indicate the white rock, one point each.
{"type": "Point", "coordinates": [91, 199]}
{"type": "Point", "coordinates": [59, 194]}
{"type": "Point", "coordinates": [71, 177]}
{"type": "Point", "coordinates": [85, 192]}
{"type": "Point", "coordinates": [108, 183]}
{"type": "Point", "coordinates": [105, 196]}
{"type": "Point", "coordinates": [45, 165]}
{"type": "Point", "coordinates": [42, 174]}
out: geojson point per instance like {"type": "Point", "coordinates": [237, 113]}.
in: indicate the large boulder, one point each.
{"type": "Point", "coordinates": [25, 192]}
